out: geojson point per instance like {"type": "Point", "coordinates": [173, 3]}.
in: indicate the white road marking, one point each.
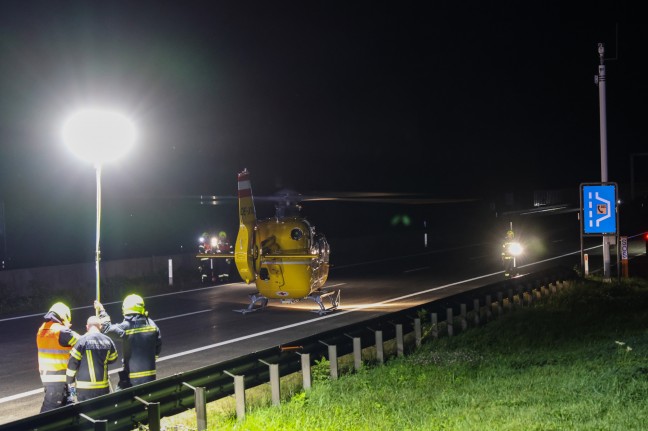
{"type": "Point", "coordinates": [270, 331]}
{"type": "Point", "coordinates": [416, 269]}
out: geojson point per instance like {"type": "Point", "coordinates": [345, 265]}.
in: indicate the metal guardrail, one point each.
{"type": "Point", "coordinates": [146, 403]}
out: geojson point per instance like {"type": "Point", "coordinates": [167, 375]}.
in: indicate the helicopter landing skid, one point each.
{"type": "Point", "coordinates": [254, 298]}
{"type": "Point", "coordinates": [332, 295]}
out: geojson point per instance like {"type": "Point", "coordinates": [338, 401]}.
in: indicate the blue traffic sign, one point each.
{"type": "Point", "coordinates": [599, 209]}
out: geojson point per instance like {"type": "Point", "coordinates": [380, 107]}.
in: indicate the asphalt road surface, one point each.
{"type": "Point", "coordinates": [199, 327]}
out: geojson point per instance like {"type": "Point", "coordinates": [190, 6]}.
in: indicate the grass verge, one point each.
{"type": "Point", "coordinates": [577, 361]}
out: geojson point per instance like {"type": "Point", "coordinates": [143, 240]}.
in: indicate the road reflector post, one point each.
{"type": "Point", "coordinates": [510, 300]}
{"type": "Point", "coordinates": [586, 262]}
{"type": "Point", "coordinates": [170, 272]}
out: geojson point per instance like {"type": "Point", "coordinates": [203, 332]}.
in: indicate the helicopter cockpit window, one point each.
{"type": "Point", "coordinates": [296, 234]}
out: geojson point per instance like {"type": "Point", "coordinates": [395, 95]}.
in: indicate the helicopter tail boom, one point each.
{"type": "Point", "coordinates": [243, 249]}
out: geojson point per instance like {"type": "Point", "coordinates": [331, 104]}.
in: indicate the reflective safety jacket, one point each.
{"type": "Point", "coordinates": [89, 361]}
{"type": "Point", "coordinates": [142, 343]}
{"type": "Point", "coordinates": [54, 341]}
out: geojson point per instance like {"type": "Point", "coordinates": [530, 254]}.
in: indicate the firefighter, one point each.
{"type": "Point", "coordinates": [141, 338]}
{"type": "Point", "coordinates": [89, 359]}
{"type": "Point", "coordinates": [55, 340]}
{"type": "Point", "coordinates": [508, 259]}
{"type": "Point", "coordinates": [224, 246]}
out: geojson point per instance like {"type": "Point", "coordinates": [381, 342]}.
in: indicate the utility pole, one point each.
{"type": "Point", "coordinates": [600, 81]}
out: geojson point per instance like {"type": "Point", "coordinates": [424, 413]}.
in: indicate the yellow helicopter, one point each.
{"type": "Point", "coordinates": [281, 255]}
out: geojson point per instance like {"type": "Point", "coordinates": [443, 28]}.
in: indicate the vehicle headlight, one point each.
{"type": "Point", "coordinates": [515, 248]}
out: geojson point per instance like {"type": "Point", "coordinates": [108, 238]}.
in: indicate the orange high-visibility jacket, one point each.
{"type": "Point", "coordinates": [54, 343]}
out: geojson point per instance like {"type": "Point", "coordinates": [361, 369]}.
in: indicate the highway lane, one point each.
{"type": "Point", "coordinates": [200, 328]}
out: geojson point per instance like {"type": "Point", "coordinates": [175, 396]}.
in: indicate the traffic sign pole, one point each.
{"type": "Point", "coordinates": [599, 216]}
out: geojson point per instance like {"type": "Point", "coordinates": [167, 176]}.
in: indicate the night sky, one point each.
{"type": "Point", "coordinates": [448, 98]}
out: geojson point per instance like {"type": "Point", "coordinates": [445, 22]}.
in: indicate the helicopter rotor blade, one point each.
{"type": "Point", "coordinates": [385, 197]}
{"type": "Point", "coordinates": [289, 196]}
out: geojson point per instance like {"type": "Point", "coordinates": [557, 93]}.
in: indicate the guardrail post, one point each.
{"type": "Point", "coordinates": [380, 348]}
{"type": "Point", "coordinates": [435, 325]}
{"type": "Point", "coordinates": [532, 294]}
{"type": "Point", "coordinates": [99, 425]}
{"type": "Point", "coordinates": [417, 332]}
{"type": "Point", "coordinates": [239, 394]}
{"type": "Point", "coordinates": [275, 387]}
{"type": "Point", "coordinates": [464, 322]}
{"type": "Point", "coordinates": [500, 303]}
{"type": "Point", "coordinates": [552, 287]}
{"type": "Point", "coordinates": [306, 370]}
{"type": "Point", "coordinates": [489, 308]}
{"type": "Point", "coordinates": [449, 321]}
{"type": "Point", "coordinates": [333, 360]}
{"type": "Point", "coordinates": [477, 311]}
{"type": "Point", "coordinates": [200, 402]}
{"type": "Point", "coordinates": [357, 352]}
{"type": "Point", "coordinates": [400, 340]}
{"type": "Point", "coordinates": [510, 300]}
{"type": "Point", "coordinates": [153, 414]}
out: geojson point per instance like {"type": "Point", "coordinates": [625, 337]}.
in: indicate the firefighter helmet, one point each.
{"type": "Point", "coordinates": [133, 304]}
{"type": "Point", "coordinates": [62, 311]}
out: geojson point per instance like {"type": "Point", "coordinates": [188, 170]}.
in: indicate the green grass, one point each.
{"type": "Point", "coordinates": [577, 361]}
